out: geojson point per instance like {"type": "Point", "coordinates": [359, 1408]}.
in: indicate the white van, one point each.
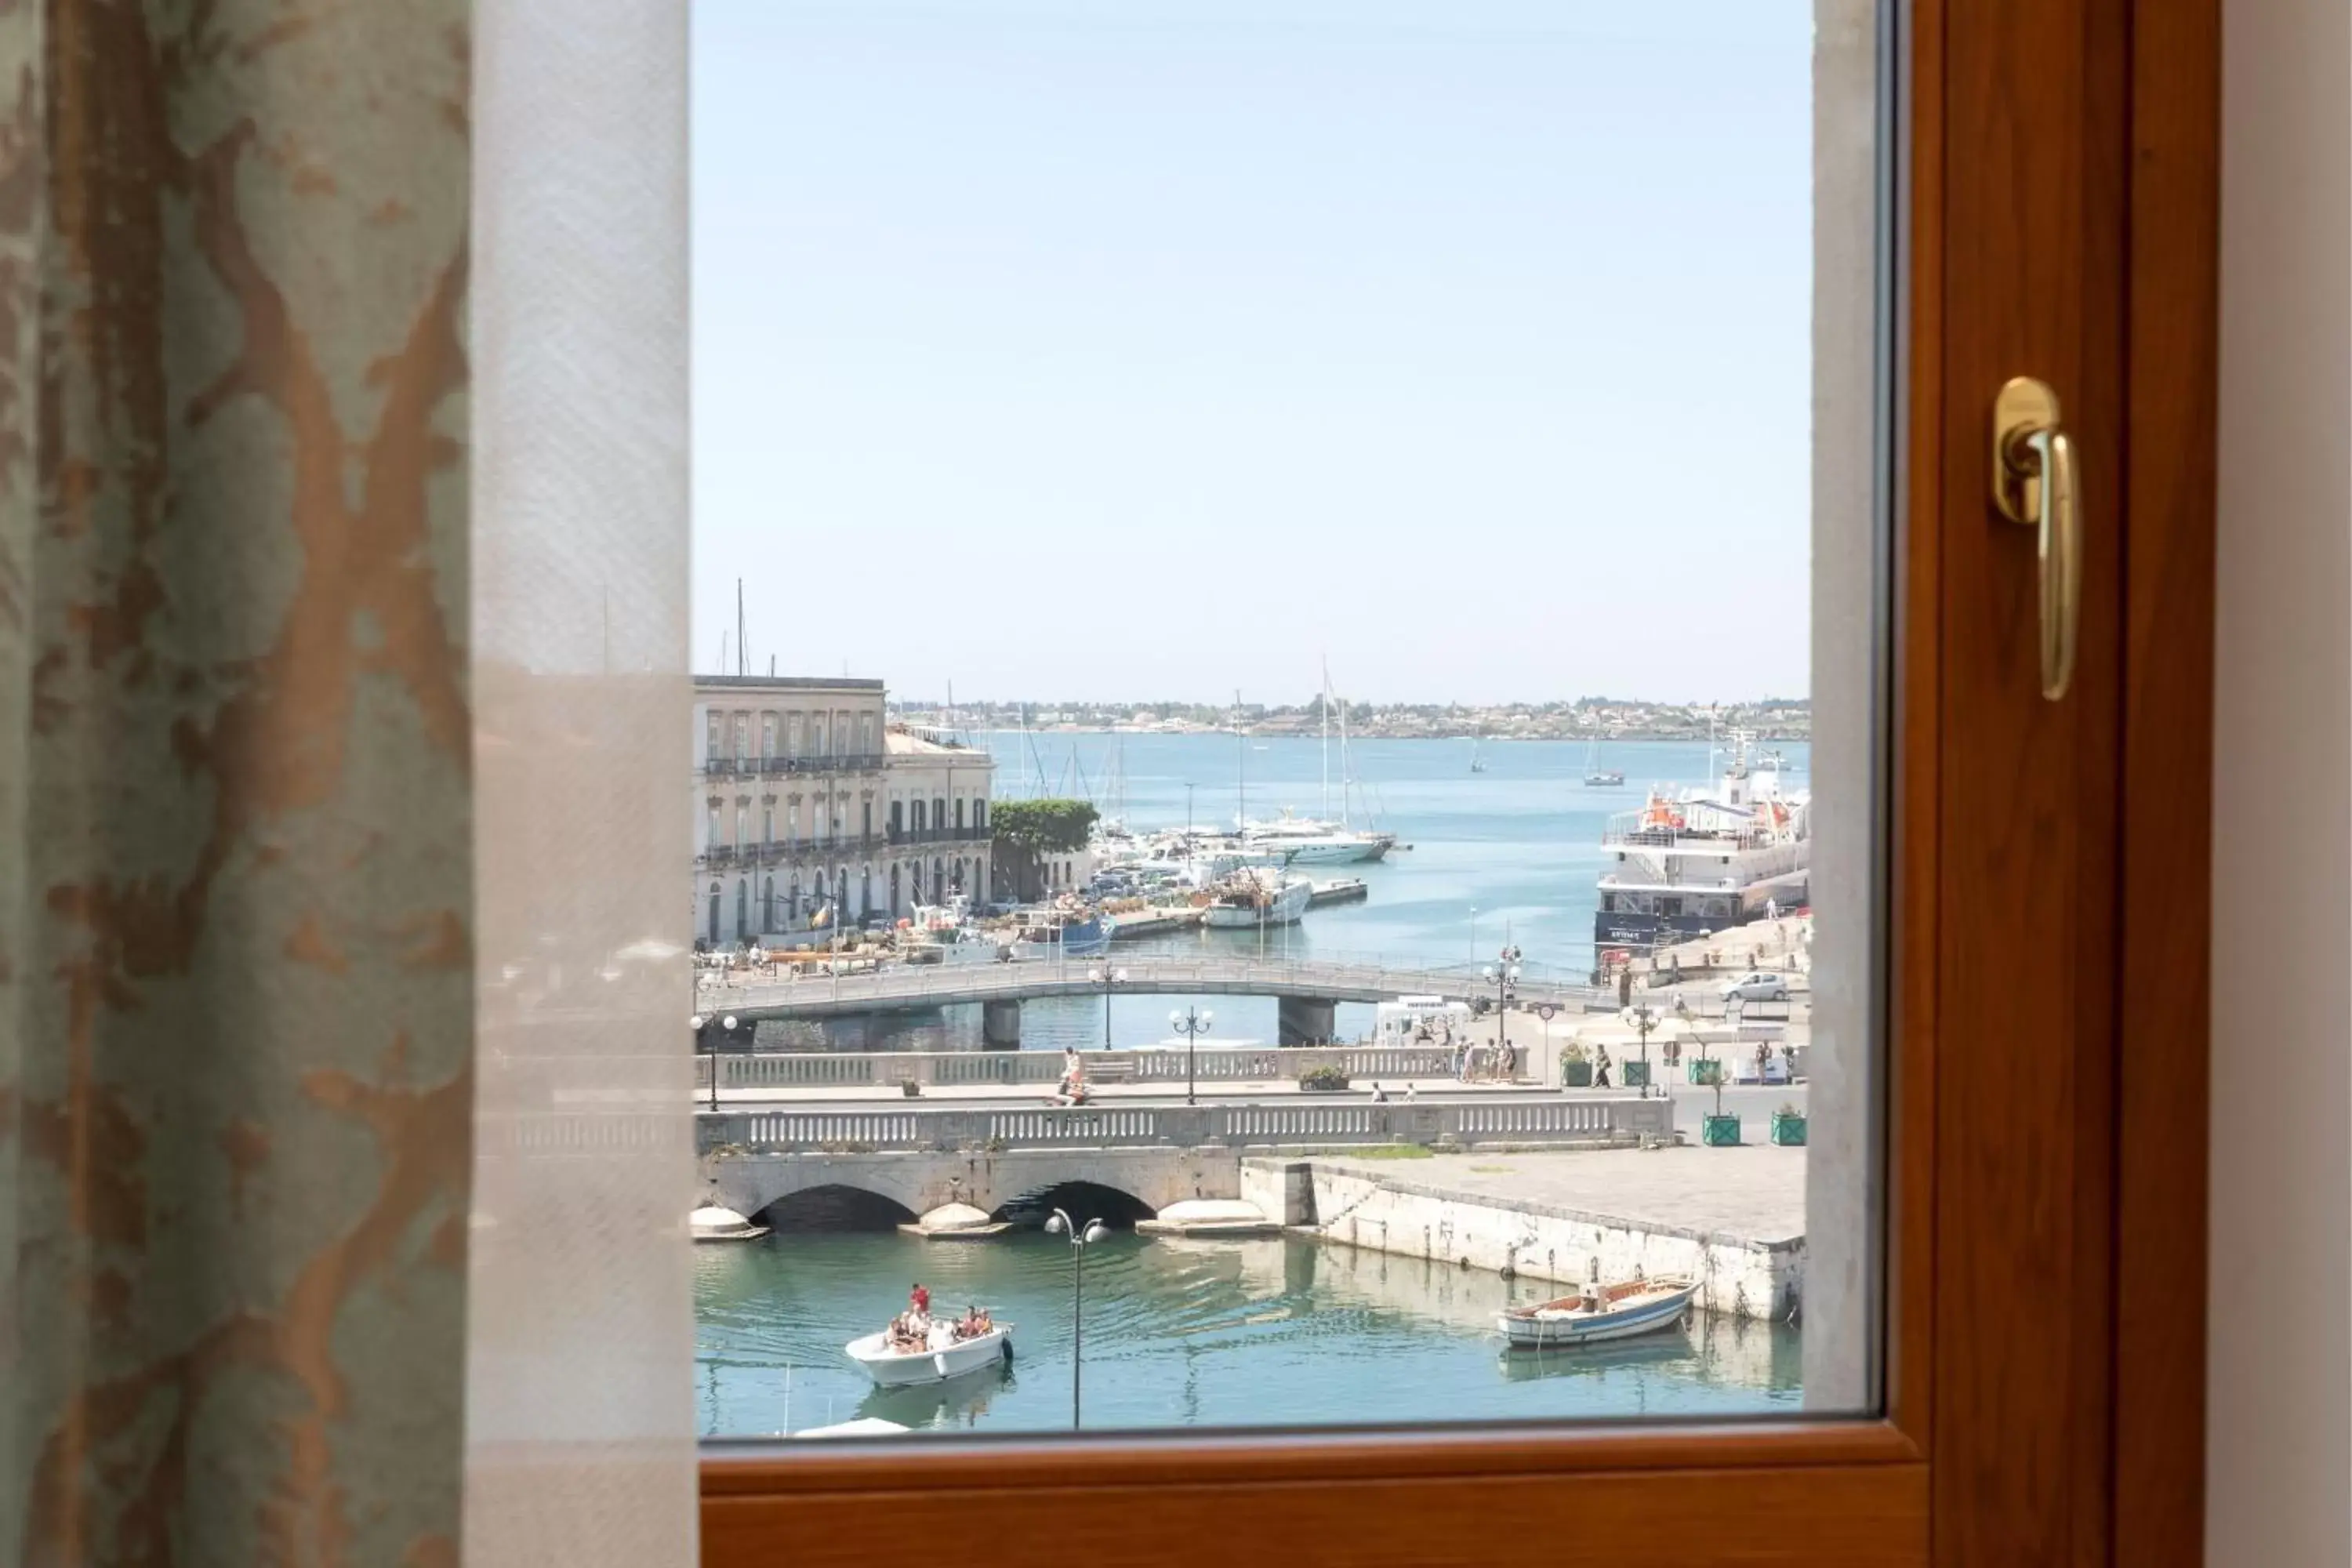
{"type": "Point", "coordinates": [1401, 1022]}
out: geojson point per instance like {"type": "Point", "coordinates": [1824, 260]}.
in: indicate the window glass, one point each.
{"type": "Point", "coordinates": [1412, 957]}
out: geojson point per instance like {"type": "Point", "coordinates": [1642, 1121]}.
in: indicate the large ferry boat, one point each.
{"type": "Point", "coordinates": [1683, 865]}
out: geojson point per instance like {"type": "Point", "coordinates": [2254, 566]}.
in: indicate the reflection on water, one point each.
{"type": "Point", "coordinates": [1186, 1333]}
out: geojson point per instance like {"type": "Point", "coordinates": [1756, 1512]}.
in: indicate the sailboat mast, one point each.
{"type": "Point", "coordinates": [1324, 707]}
{"type": "Point", "coordinates": [1241, 762]}
{"type": "Point", "coordinates": [1347, 770]}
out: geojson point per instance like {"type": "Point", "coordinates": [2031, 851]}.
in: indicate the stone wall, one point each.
{"type": "Point", "coordinates": [1395, 1215]}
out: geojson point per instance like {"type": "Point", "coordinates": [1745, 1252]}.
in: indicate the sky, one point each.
{"type": "Point", "coordinates": [1154, 349]}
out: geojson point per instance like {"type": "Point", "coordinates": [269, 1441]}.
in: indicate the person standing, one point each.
{"type": "Point", "coordinates": [919, 1299]}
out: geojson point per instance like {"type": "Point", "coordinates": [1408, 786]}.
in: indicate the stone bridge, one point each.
{"type": "Point", "coordinates": [918, 1182]}
{"type": "Point", "coordinates": [1308, 989]}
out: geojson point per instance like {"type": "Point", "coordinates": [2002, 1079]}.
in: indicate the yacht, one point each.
{"type": "Point", "coordinates": [1702, 860]}
{"type": "Point", "coordinates": [1309, 841]}
{"type": "Point", "coordinates": [1598, 777]}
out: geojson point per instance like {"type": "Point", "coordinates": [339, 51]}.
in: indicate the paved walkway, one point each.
{"type": "Point", "coordinates": [1756, 1191]}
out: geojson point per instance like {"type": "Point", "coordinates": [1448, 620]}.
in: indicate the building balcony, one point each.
{"type": "Point", "coordinates": [754, 767]}
{"type": "Point", "coordinates": [908, 835]}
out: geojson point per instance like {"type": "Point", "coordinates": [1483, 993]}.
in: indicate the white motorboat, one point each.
{"type": "Point", "coordinates": [1255, 897]}
{"type": "Point", "coordinates": [1603, 1312]}
{"type": "Point", "coordinates": [1305, 841]}
{"type": "Point", "coordinates": [943, 1354]}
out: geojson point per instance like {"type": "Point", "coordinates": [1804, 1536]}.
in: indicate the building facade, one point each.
{"type": "Point", "coordinates": [810, 813]}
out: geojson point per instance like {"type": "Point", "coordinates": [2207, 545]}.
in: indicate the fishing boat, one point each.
{"type": "Point", "coordinates": [1064, 933]}
{"type": "Point", "coordinates": [1603, 1312]}
{"type": "Point", "coordinates": [1255, 897]}
{"type": "Point", "coordinates": [941, 1353]}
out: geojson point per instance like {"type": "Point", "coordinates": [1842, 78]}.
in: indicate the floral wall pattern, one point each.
{"type": "Point", "coordinates": [235, 870]}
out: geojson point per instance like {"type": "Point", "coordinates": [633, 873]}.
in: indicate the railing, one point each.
{"type": "Point", "coordinates": [814, 991]}
{"type": "Point", "coordinates": [886, 1070]}
{"type": "Point", "coordinates": [818, 1131]}
{"type": "Point", "coordinates": [839, 762]}
{"type": "Point", "coordinates": [940, 836]}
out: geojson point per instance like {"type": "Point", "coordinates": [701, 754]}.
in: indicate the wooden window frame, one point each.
{"type": "Point", "coordinates": [2010, 1434]}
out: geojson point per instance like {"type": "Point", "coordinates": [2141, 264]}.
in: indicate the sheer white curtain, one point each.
{"type": "Point", "coordinates": [580, 1444]}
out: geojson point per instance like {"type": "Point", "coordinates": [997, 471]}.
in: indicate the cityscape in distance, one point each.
{"type": "Point", "coordinates": [1581, 719]}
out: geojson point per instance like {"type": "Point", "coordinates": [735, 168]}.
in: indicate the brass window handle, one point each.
{"type": "Point", "coordinates": [2033, 482]}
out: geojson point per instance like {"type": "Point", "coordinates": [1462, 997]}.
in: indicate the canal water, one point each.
{"type": "Point", "coordinates": [1513, 851]}
{"type": "Point", "coordinates": [1187, 1333]}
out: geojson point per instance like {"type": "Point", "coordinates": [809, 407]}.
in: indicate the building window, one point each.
{"type": "Point", "coordinates": [866, 829]}
{"type": "Point", "coordinates": [959, 814]}
{"type": "Point", "coordinates": [979, 814]}
{"type": "Point", "coordinates": [767, 824]}
{"type": "Point", "coordinates": [898, 822]}
{"type": "Point", "coordinates": [742, 736]}
{"type": "Point", "coordinates": [866, 735]}
{"type": "Point", "coordinates": [710, 731]}
{"type": "Point", "coordinates": [711, 825]}
{"type": "Point", "coordinates": [743, 824]}
{"type": "Point", "coordinates": [816, 734]}
{"type": "Point", "coordinates": [939, 813]}
{"type": "Point", "coordinates": [917, 809]}
{"type": "Point", "coordinates": [767, 734]}
{"type": "Point", "coordinates": [795, 737]}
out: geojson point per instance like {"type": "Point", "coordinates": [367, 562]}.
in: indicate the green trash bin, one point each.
{"type": "Point", "coordinates": [1637, 1075]}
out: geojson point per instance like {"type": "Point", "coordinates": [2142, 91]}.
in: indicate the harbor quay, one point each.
{"type": "Point", "coordinates": [1733, 1219]}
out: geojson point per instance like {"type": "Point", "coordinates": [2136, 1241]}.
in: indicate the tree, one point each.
{"type": "Point", "coordinates": [1026, 831]}
{"type": "Point", "coordinates": [1042, 826]}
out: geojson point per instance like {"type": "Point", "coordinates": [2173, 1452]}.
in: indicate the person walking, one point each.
{"type": "Point", "coordinates": [1600, 1067]}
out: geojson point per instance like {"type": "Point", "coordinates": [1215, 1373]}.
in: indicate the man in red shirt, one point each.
{"type": "Point", "coordinates": [919, 1299]}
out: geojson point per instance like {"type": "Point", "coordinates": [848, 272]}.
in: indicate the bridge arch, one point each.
{"type": "Point", "coordinates": [833, 1206]}
{"type": "Point", "coordinates": [1081, 1199]}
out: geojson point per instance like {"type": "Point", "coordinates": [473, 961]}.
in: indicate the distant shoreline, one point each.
{"type": "Point", "coordinates": [1770, 736]}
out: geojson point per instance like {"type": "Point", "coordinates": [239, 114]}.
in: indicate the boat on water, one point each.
{"type": "Point", "coordinates": [1255, 897]}
{"type": "Point", "coordinates": [1601, 1313]}
{"type": "Point", "coordinates": [1066, 934]}
{"type": "Point", "coordinates": [1477, 763]}
{"type": "Point", "coordinates": [937, 1351]}
{"type": "Point", "coordinates": [1310, 841]}
{"type": "Point", "coordinates": [1598, 777]}
{"type": "Point", "coordinates": [1686, 865]}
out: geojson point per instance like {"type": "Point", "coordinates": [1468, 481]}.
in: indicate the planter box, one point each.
{"type": "Point", "coordinates": [1719, 1132]}
{"type": "Point", "coordinates": [1787, 1130]}
{"type": "Point", "coordinates": [1705, 1071]}
{"type": "Point", "coordinates": [1576, 1075]}
{"type": "Point", "coordinates": [1339, 1087]}
{"type": "Point", "coordinates": [1636, 1075]}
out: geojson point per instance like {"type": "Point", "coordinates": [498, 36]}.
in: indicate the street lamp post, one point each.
{"type": "Point", "coordinates": [1473, 933]}
{"type": "Point", "coordinates": [1504, 975]}
{"type": "Point", "coordinates": [1645, 1018]}
{"type": "Point", "coordinates": [1060, 1224]}
{"type": "Point", "coordinates": [1191, 1022]}
{"type": "Point", "coordinates": [702, 1027]}
{"type": "Point", "coordinates": [1106, 978]}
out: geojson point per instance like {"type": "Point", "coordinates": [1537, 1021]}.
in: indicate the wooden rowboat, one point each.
{"type": "Point", "coordinates": [1603, 1312]}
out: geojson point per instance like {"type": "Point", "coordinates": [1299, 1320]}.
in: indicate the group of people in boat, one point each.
{"type": "Point", "coordinates": [914, 1330]}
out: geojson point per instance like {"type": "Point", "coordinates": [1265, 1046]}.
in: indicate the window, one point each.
{"type": "Point", "coordinates": [1815, 613]}
{"type": "Point", "coordinates": [896, 819]}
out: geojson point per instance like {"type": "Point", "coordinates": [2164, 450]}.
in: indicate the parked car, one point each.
{"type": "Point", "coordinates": [1757, 985]}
